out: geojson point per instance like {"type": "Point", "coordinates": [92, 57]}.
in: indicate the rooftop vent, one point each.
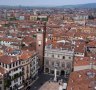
{"type": "Point", "coordinates": [95, 87]}
{"type": "Point", "coordinates": [81, 58]}
{"type": "Point", "coordinates": [15, 52]}
{"type": "Point", "coordinates": [80, 75]}
{"type": "Point", "coordinates": [11, 60]}
{"type": "Point", "coordinates": [71, 88]}
{"type": "Point", "coordinates": [91, 74]}
{"type": "Point", "coordinates": [77, 45]}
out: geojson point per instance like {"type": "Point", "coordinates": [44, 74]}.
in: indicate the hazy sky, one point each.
{"type": "Point", "coordinates": [44, 2]}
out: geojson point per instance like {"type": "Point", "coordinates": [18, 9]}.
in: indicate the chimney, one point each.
{"type": "Point", "coordinates": [81, 58]}
{"type": "Point", "coordinates": [17, 57]}
{"type": "Point", "coordinates": [80, 75]}
{"type": "Point", "coordinates": [72, 81]}
{"type": "Point", "coordinates": [95, 87]}
{"type": "Point", "coordinates": [11, 60]}
{"type": "Point", "coordinates": [71, 88]}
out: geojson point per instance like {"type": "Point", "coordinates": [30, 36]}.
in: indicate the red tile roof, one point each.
{"type": "Point", "coordinates": [81, 80]}
{"type": "Point", "coordinates": [8, 59]}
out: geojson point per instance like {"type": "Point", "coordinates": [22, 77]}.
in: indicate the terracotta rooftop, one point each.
{"type": "Point", "coordinates": [26, 54]}
{"type": "Point", "coordinates": [8, 59]}
{"type": "Point", "coordinates": [82, 61]}
{"type": "Point", "coordinates": [79, 48]}
{"type": "Point", "coordinates": [92, 44]}
{"type": "Point", "coordinates": [82, 80]}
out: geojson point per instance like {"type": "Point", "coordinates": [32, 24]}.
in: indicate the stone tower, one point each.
{"type": "Point", "coordinates": [40, 44]}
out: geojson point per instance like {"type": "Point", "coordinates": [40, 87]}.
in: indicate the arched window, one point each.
{"type": "Point", "coordinates": [68, 65]}
{"type": "Point", "coordinates": [63, 57]}
{"type": "Point", "coordinates": [46, 62]}
{"type": "Point", "coordinates": [57, 64]}
{"type": "Point", "coordinates": [47, 70]}
{"type": "Point", "coordinates": [63, 64]}
{"type": "Point", "coordinates": [52, 63]}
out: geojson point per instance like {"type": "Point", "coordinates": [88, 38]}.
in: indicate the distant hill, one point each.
{"type": "Point", "coordinates": [89, 5]}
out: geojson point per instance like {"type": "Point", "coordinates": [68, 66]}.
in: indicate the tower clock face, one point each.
{"type": "Point", "coordinates": [39, 42]}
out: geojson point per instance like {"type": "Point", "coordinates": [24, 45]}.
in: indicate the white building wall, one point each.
{"type": "Point", "coordinates": [19, 81]}
{"type": "Point", "coordinates": [79, 54]}
{"type": "Point", "coordinates": [77, 68]}
{"type": "Point", "coordinates": [14, 72]}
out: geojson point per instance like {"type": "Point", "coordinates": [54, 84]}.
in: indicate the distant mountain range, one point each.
{"type": "Point", "coordinates": [88, 5]}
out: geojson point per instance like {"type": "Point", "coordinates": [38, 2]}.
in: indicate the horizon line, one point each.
{"type": "Point", "coordinates": [45, 5]}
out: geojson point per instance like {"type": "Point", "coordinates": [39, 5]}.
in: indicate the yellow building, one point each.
{"type": "Point", "coordinates": [30, 66]}
{"type": "Point", "coordinates": [33, 18]}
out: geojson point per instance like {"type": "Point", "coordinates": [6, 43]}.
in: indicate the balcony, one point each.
{"type": "Point", "coordinates": [17, 75]}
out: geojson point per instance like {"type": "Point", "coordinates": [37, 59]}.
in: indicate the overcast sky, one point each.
{"type": "Point", "coordinates": [44, 2]}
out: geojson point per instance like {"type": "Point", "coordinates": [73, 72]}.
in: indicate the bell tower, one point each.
{"type": "Point", "coordinates": [40, 44]}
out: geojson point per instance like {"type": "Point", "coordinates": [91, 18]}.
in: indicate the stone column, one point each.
{"type": "Point", "coordinates": [55, 74]}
